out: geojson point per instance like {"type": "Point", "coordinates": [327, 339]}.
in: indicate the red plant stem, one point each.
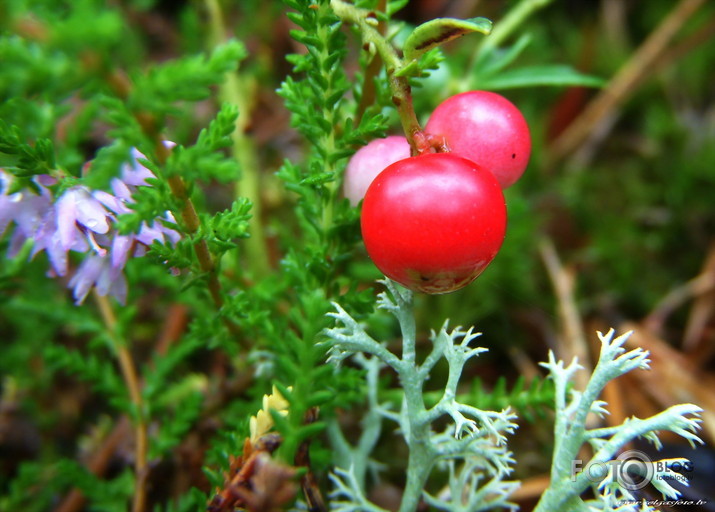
{"type": "Point", "coordinates": [131, 379]}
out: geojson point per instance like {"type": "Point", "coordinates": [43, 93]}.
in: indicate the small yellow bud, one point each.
{"type": "Point", "coordinates": [262, 422]}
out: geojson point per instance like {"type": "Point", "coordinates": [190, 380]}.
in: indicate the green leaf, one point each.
{"type": "Point", "coordinates": [188, 78]}
{"type": "Point", "coordinates": [29, 160]}
{"type": "Point", "coordinates": [439, 31]}
{"type": "Point", "coordinates": [218, 134]}
{"type": "Point", "coordinates": [318, 179]}
{"type": "Point", "coordinates": [230, 224]}
{"type": "Point", "coordinates": [310, 430]}
{"type": "Point", "coordinates": [550, 75]}
{"type": "Point", "coordinates": [412, 68]}
{"type": "Point", "coordinates": [395, 5]}
{"type": "Point", "coordinates": [494, 61]}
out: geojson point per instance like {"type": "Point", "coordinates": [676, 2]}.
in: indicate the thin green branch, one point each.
{"type": "Point", "coordinates": [190, 219]}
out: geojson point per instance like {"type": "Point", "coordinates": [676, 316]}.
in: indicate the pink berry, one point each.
{"type": "Point", "coordinates": [486, 128]}
{"type": "Point", "coordinates": [369, 161]}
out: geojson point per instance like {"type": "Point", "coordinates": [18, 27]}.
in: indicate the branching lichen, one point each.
{"type": "Point", "coordinates": [475, 439]}
{"type": "Point", "coordinates": [612, 488]}
{"type": "Point", "coordinates": [473, 445]}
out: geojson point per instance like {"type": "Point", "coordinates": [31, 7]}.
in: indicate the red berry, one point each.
{"type": "Point", "coordinates": [433, 222]}
{"type": "Point", "coordinates": [485, 128]}
{"type": "Point", "coordinates": [369, 161]}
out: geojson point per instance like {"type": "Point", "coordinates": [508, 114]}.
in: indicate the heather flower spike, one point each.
{"type": "Point", "coordinates": [83, 221]}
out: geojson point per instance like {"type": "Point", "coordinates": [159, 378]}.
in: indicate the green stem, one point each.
{"type": "Point", "coordinates": [121, 85]}
{"type": "Point", "coordinates": [237, 91]}
{"type": "Point", "coordinates": [328, 140]}
{"type": "Point", "coordinates": [191, 222]}
{"type": "Point", "coordinates": [399, 85]}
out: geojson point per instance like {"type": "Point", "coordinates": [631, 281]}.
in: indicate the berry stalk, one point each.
{"type": "Point", "coordinates": [367, 24]}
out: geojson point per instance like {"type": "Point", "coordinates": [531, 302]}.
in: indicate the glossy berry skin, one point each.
{"type": "Point", "coordinates": [485, 128]}
{"type": "Point", "coordinates": [369, 161]}
{"type": "Point", "coordinates": [433, 222]}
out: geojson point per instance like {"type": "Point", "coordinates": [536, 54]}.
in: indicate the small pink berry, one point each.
{"type": "Point", "coordinates": [369, 161]}
{"type": "Point", "coordinates": [487, 129]}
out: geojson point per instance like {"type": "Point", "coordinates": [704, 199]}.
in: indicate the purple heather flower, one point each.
{"type": "Point", "coordinates": [47, 237]}
{"type": "Point", "coordinates": [77, 209]}
{"type": "Point", "coordinates": [113, 202]}
{"type": "Point", "coordinates": [99, 272]}
{"type": "Point", "coordinates": [25, 208]}
{"type": "Point", "coordinates": [82, 220]}
{"type": "Point", "coordinates": [119, 254]}
{"type": "Point", "coordinates": [158, 232]}
{"type": "Point", "coordinates": [134, 173]}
